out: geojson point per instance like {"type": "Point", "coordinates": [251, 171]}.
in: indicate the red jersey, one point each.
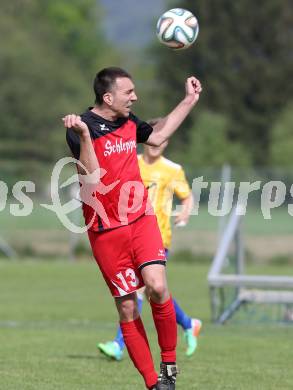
{"type": "Point", "coordinates": [120, 197]}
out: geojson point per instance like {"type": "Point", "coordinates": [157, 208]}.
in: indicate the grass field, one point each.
{"type": "Point", "coordinates": [53, 313]}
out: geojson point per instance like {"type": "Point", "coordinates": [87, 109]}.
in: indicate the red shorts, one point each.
{"type": "Point", "coordinates": [121, 253]}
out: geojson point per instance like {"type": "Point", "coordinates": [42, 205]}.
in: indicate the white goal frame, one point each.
{"type": "Point", "coordinates": [248, 288]}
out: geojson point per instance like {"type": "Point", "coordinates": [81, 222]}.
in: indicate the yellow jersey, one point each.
{"type": "Point", "coordinates": [163, 178]}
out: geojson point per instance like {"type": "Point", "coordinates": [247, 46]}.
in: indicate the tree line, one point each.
{"type": "Point", "coordinates": [243, 56]}
{"type": "Point", "coordinates": [51, 51]}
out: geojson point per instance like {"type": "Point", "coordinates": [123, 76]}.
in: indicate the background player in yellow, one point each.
{"type": "Point", "coordinates": [163, 178]}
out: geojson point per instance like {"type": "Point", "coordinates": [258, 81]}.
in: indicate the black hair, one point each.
{"type": "Point", "coordinates": [105, 80]}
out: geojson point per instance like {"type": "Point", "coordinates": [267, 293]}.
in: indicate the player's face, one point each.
{"type": "Point", "coordinates": [155, 151]}
{"type": "Point", "coordinates": [123, 96]}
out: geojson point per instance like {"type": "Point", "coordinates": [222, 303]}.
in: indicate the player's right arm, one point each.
{"type": "Point", "coordinates": [166, 126]}
{"type": "Point", "coordinates": [87, 155]}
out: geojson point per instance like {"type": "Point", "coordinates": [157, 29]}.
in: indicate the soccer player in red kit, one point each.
{"type": "Point", "coordinates": [123, 229]}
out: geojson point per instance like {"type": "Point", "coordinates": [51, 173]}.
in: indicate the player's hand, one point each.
{"type": "Point", "coordinates": [181, 220]}
{"type": "Point", "coordinates": [75, 122]}
{"type": "Point", "coordinates": [192, 89]}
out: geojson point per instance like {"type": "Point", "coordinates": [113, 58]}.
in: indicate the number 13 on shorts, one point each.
{"type": "Point", "coordinates": [128, 282]}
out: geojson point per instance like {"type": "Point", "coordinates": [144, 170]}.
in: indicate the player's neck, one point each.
{"type": "Point", "coordinates": [149, 159]}
{"type": "Point", "coordinates": [105, 113]}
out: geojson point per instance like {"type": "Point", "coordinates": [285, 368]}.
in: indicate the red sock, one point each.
{"type": "Point", "coordinates": [136, 341]}
{"type": "Point", "coordinates": [165, 321]}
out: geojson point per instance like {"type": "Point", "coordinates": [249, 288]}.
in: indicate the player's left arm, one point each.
{"type": "Point", "coordinates": [166, 126]}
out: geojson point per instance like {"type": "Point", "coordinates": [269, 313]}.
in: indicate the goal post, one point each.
{"type": "Point", "coordinates": [230, 288]}
{"type": "Point", "coordinates": [6, 249]}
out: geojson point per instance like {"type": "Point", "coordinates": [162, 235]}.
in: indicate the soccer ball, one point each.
{"type": "Point", "coordinates": [177, 28]}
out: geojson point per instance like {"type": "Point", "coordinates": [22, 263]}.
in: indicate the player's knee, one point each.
{"type": "Point", "coordinates": [127, 310]}
{"type": "Point", "coordinates": [158, 291]}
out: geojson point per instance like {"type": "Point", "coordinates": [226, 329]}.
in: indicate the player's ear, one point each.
{"type": "Point", "coordinates": [108, 98]}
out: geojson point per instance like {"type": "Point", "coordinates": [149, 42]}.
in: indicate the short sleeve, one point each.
{"type": "Point", "coordinates": [143, 129]}
{"type": "Point", "coordinates": [73, 142]}
{"type": "Point", "coordinates": [180, 185]}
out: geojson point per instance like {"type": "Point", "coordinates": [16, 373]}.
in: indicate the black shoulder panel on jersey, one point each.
{"type": "Point", "coordinates": [143, 129]}
{"type": "Point", "coordinates": [100, 127]}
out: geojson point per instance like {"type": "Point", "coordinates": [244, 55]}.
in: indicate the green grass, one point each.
{"type": "Point", "coordinates": [53, 313]}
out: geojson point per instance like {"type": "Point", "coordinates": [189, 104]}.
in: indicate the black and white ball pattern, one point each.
{"type": "Point", "coordinates": [177, 28]}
